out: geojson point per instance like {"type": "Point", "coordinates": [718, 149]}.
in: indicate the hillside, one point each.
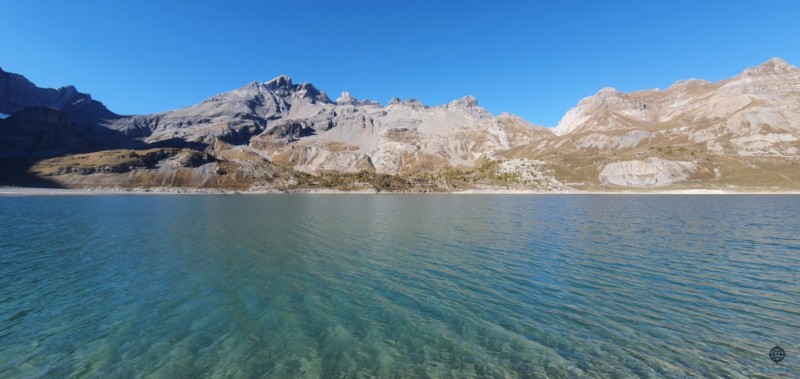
{"type": "Point", "coordinates": [740, 133]}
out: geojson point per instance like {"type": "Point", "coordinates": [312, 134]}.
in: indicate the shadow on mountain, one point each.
{"type": "Point", "coordinates": [15, 172]}
{"type": "Point", "coordinates": [292, 130]}
{"type": "Point", "coordinates": [173, 143]}
{"type": "Point", "coordinates": [35, 134]}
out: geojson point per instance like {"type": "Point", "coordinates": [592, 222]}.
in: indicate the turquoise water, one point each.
{"type": "Point", "coordinates": [398, 286]}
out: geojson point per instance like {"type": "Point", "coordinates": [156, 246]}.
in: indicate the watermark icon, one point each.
{"type": "Point", "coordinates": [777, 354]}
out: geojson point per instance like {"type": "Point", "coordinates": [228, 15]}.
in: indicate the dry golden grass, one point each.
{"type": "Point", "coordinates": [103, 161]}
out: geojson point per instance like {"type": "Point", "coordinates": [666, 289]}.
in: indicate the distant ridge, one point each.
{"type": "Point", "coordinates": [17, 93]}
{"type": "Point", "coordinates": [741, 132]}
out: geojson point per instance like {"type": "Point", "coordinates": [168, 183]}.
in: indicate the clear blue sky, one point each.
{"type": "Point", "coordinates": [535, 59]}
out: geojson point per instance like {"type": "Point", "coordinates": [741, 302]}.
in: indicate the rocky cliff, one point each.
{"type": "Point", "coordinates": [739, 133]}
{"type": "Point", "coordinates": [18, 93]}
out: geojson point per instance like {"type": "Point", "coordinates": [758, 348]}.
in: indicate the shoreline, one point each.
{"type": "Point", "coordinates": [35, 191]}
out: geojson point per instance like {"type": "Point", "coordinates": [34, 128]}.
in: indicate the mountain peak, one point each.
{"type": "Point", "coordinates": [308, 91]}
{"type": "Point", "coordinates": [465, 102]}
{"type": "Point", "coordinates": [771, 67]}
{"type": "Point", "coordinates": [70, 89]}
{"type": "Point", "coordinates": [410, 102]}
{"type": "Point", "coordinates": [283, 81]}
{"type": "Point", "coordinates": [346, 98]}
{"type": "Point", "coordinates": [607, 91]}
{"type": "Point", "coordinates": [17, 93]}
{"type": "Point", "coordinates": [776, 62]}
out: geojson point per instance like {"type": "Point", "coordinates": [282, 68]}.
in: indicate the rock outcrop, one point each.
{"type": "Point", "coordinates": [649, 172]}
{"type": "Point", "coordinates": [739, 132]}
{"type": "Point", "coordinates": [18, 93]}
{"type": "Point", "coordinates": [742, 132]}
{"type": "Point", "coordinates": [41, 132]}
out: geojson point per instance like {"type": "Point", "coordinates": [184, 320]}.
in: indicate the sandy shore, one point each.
{"type": "Point", "coordinates": [28, 191]}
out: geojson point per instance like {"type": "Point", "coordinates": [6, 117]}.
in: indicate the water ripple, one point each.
{"type": "Point", "coordinates": [398, 286]}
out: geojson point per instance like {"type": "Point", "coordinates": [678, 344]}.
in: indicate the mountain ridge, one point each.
{"type": "Point", "coordinates": [688, 135]}
{"type": "Point", "coordinates": [17, 93]}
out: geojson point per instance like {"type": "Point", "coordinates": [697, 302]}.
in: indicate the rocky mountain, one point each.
{"type": "Point", "coordinates": [41, 132]}
{"type": "Point", "coordinates": [745, 127]}
{"type": "Point", "coordinates": [766, 94]}
{"type": "Point", "coordinates": [18, 93]}
{"type": "Point", "coordinates": [300, 127]}
{"type": "Point", "coordinates": [739, 133]}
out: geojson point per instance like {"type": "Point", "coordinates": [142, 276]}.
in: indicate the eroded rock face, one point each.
{"type": "Point", "coordinates": [282, 119]}
{"type": "Point", "coordinates": [18, 93]}
{"type": "Point", "coordinates": [694, 130]}
{"type": "Point", "coordinates": [41, 132]}
{"type": "Point", "coordinates": [649, 172]}
{"type": "Point", "coordinates": [754, 113]}
{"type": "Point", "coordinates": [346, 99]}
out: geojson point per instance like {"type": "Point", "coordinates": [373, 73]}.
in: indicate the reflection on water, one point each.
{"type": "Point", "coordinates": [409, 286]}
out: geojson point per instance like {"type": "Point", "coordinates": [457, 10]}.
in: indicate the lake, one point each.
{"type": "Point", "coordinates": [286, 286]}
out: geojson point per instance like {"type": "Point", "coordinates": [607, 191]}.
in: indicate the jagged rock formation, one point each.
{"type": "Point", "coordinates": [742, 132]}
{"type": "Point", "coordinates": [649, 172]}
{"type": "Point", "coordinates": [300, 127]}
{"type": "Point", "coordinates": [41, 132]}
{"type": "Point", "coordinates": [706, 112]}
{"type": "Point", "coordinates": [18, 93]}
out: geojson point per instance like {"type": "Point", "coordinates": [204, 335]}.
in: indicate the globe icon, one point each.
{"type": "Point", "coordinates": [777, 354]}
